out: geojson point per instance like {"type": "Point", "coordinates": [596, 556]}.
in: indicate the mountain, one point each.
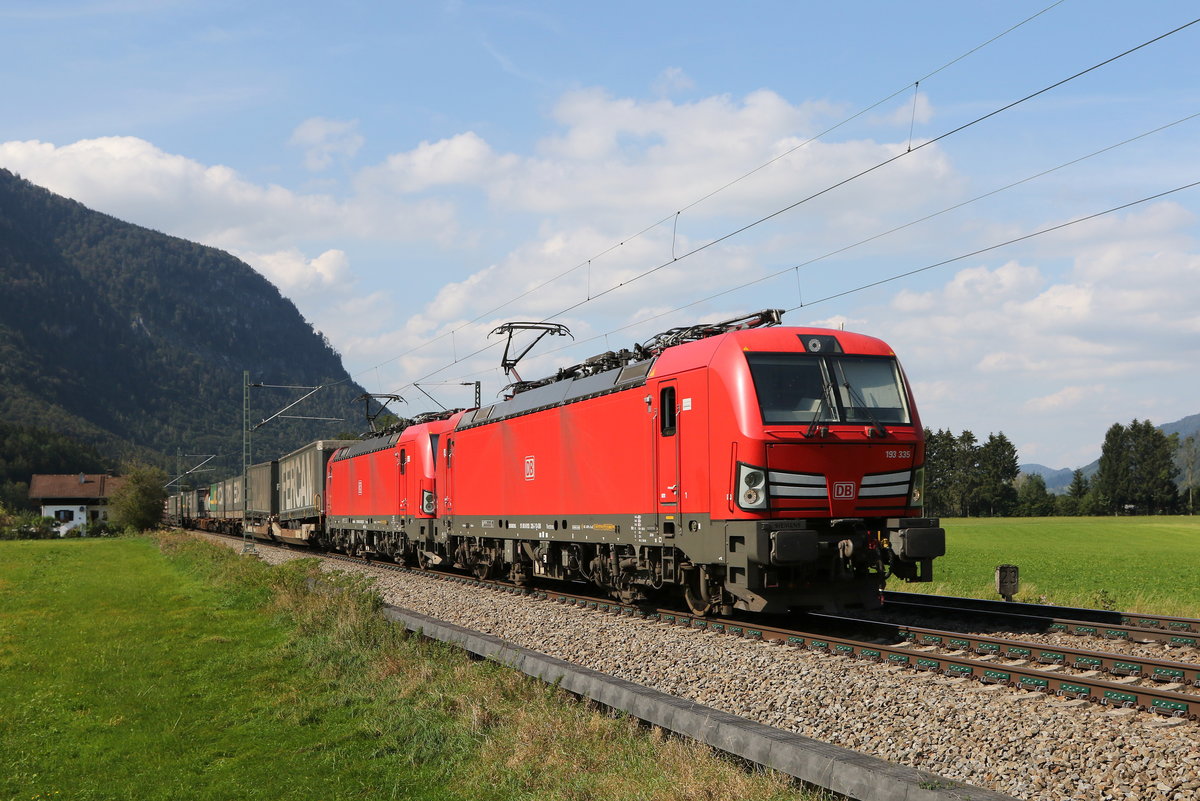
{"type": "Point", "coordinates": [1187, 427]}
{"type": "Point", "coordinates": [1057, 480]}
{"type": "Point", "coordinates": [135, 342]}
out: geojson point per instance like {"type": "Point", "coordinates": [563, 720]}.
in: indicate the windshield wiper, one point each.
{"type": "Point", "coordinates": [857, 397]}
{"type": "Point", "coordinates": [826, 400]}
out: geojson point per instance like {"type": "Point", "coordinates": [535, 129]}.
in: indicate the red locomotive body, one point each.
{"type": "Point", "coordinates": [761, 469]}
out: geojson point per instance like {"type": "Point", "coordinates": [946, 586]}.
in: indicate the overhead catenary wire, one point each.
{"type": "Point", "coordinates": [796, 267]}
{"type": "Point", "coordinates": [873, 168]}
{"type": "Point", "coordinates": [1007, 242]}
{"type": "Point", "coordinates": [728, 184]}
{"type": "Point", "coordinates": [953, 259]}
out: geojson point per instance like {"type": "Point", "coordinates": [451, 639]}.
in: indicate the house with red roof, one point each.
{"type": "Point", "coordinates": [75, 498]}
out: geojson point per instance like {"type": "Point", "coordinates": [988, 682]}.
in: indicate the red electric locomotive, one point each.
{"type": "Point", "coordinates": [743, 465]}
{"type": "Point", "coordinates": [750, 466]}
{"type": "Point", "coordinates": [381, 498]}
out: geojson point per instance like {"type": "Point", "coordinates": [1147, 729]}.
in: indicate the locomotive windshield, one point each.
{"type": "Point", "coordinates": [803, 388]}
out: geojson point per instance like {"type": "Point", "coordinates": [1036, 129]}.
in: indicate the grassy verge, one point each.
{"type": "Point", "coordinates": [1146, 564]}
{"type": "Point", "coordinates": [206, 675]}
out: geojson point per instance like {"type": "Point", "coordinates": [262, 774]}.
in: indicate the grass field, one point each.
{"type": "Point", "coordinates": [1145, 564]}
{"type": "Point", "coordinates": [135, 669]}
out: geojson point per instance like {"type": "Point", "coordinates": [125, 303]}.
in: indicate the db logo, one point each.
{"type": "Point", "coordinates": [843, 491]}
{"type": "Point", "coordinates": [529, 468]}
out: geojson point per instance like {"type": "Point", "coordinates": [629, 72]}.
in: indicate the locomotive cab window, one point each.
{"type": "Point", "coordinates": [869, 390]}
{"type": "Point", "coordinates": [795, 388]}
{"type": "Point", "coordinates": [666, 411]}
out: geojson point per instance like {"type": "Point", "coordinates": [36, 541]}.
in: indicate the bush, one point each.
{"type": "Point", "coordinates": [26, 525]}
{"type": "Point", "coordinates": [138, 504]}
{"type": "Point", "coordinates": [95, 528]}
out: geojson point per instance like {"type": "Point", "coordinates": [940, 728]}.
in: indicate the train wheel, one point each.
{"type": "Point", "coordinates": [698, 606]}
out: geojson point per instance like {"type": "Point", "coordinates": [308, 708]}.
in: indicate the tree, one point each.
{"type": "Point", "coordinates": [1112, 485]}
{"type": "Point", "coordinates": [1032, 498]}
{"type": "Point", "coordinates": [1065, 506]}
{"type": "Point", "coordinates": [939, 468]}
{"type": "Point", "coordinates": [1137, 471]}
{"type": "Point", "coordinates": [1074, 501]}
{"type": "Point", "coordinates": [1188, 460]}
{"type": "Point", "coordinates": [1152, 470]}
{"type": "Point", "coordinates": [1080, 486]}
{"type": "Point", "coordinates": [998, 470]}
{"type": "Point", "coordinates": [964, 482]}
{"type": "Point", "coordinates": [138, 504]}
{"type": "Point", "coordinates": [1092, 505]}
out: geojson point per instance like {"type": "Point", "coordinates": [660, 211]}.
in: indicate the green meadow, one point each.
{"type": "Point", "coordinates": [1144, 564]}
{"type": "Point", "coordinates": [175, 669]}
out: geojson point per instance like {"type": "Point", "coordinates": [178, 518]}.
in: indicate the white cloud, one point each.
{"type": "Point", "coordinates": [1065, 399]}
{"type": "Point", "coordinates": [672, 80]}
{"type": "Point", "coordinates": [462, 159]}
{"type": "Point", "coordinates": [323, 140]}
{"type": "Point", "coordinates": [291, 271]}
{"type": "Point", "coordinates": [136, 181]}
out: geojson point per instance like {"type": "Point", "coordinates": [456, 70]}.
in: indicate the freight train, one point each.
{"type": "Point", "coordinates": [739, 465]}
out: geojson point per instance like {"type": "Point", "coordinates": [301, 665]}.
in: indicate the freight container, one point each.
{"type": "Point", "coordinates": [302, 479]}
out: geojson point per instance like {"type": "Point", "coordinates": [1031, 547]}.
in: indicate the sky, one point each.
{"type": "Point", "coordinates": [413, 174]}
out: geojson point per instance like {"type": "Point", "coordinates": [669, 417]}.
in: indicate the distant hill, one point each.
{"type": "Point", "coordinates": [1057, 480]}
{"type": "Point", "coordinates": [1184, 428]}
{"type": "Point", "coordinates": [135, 341]}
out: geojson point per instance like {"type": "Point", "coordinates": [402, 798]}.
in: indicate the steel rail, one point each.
{"type": "Point", "coordinates": [1076, 614]}
{"type": "Point", "coordinates": [1128, 666]}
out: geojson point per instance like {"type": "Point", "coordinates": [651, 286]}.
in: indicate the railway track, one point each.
{"type": "Point", "coordinates": [1134, 627]}
{"type": "Point", "coordinates": [1150, 685]}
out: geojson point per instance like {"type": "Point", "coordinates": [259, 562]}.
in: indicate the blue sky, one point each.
{"type": "Point", "coordinates": [404, 170]}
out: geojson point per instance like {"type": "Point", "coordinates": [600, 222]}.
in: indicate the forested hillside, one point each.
{"type": "Point", "coordinates": [135, 342]}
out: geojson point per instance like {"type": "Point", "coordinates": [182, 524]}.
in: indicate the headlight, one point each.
{"type": "Point", "coordinates": [751, 490]}
{"type": "Point", "coordinates": [918, 488]}
{"type": "Point", "coordinates": [428, 502]}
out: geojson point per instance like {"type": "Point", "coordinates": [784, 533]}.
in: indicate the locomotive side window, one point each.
{"type": "Point", "coordinates": [798, 388]}
{"type": "Point", "coordinates": [666, 411]}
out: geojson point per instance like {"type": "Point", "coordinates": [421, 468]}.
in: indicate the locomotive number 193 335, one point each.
{"type": "Point", "coordinates": [899, 454]}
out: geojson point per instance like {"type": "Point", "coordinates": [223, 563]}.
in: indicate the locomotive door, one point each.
{"type": "Point", "coordinates": [406, 482]}
{"type": "Point", "coordinates": [666, 461]}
